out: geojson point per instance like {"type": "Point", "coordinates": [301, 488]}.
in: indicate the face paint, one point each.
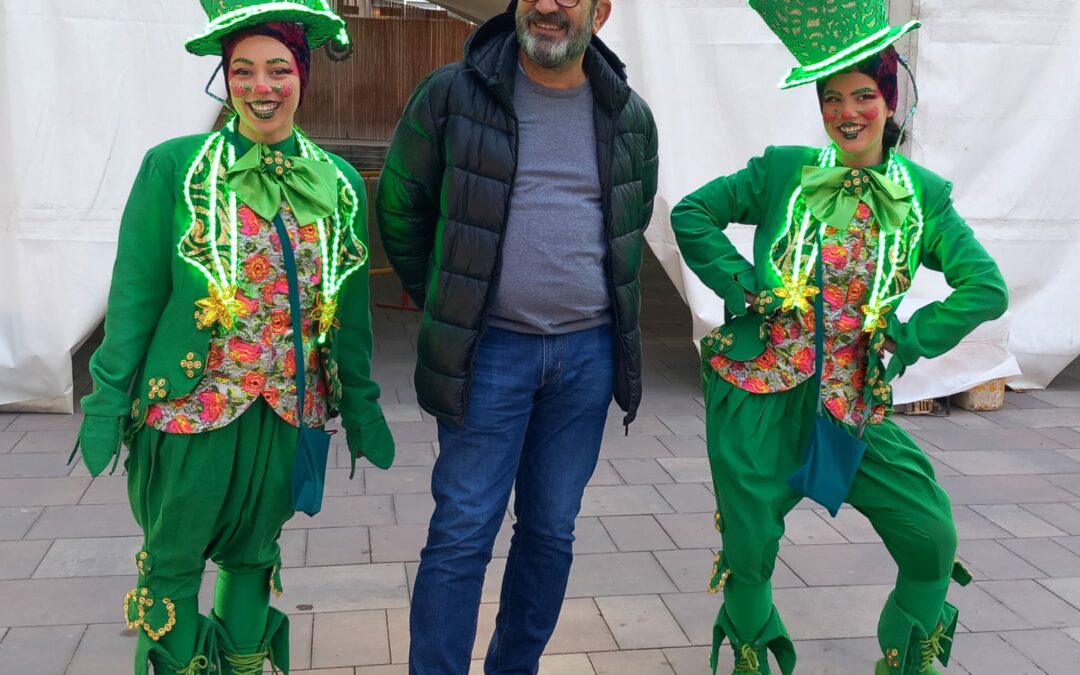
{"type": "Point", "coordinates": [871, 113]}
{"type": "Point", "coordinates": [285, 89]}
{"type": "Point", "coordinates": [832, 115]}
{"type": "Point", "coordinates": [241, 90]}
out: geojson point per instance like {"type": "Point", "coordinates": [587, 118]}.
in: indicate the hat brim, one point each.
{"type": "Point", "coordinates": [845, 59]}
{"type": "Point", "coordinates": [321, 26]}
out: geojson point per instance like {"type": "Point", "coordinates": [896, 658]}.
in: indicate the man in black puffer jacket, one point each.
{"type": "Point", "coordinates": [513, 203]}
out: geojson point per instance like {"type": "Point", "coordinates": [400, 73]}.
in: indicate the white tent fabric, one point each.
{"type": "Point", "coordinates": [89, 87]}
{"type": "Point", "coordinates": [709, 70]}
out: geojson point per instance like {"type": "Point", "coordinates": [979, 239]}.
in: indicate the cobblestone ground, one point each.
{"type": "Point", "coordinates": [636, 603]}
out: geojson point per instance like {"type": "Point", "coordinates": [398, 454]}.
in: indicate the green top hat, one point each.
{"type": "Point", "coordinates": [828, 36]}
{"type": "Point", "coordinates": [227, 16]}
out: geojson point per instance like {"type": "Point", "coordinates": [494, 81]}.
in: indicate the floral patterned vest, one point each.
{"type": "Point", "coordinates": [788, 360]}
{"type": "Point", "coordinates": [256, 357]}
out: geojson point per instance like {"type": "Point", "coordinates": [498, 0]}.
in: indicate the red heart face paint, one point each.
{"type": "Point", "coordinates": [240, 90]}
{"type": "Point", "coordinates": [871, 113]}
{"type": "Point", "coordinates": [284, 88]}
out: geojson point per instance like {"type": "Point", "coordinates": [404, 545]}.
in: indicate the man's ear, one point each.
{"type": "Point", "coordinates": [603, 13]}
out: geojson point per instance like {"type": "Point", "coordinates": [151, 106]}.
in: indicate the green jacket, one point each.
{"type": "Point", "coordinates": [760, 195]}
{"type": "Point", "coordinates": [153, 347]}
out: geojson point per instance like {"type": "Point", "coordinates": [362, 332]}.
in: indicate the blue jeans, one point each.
{"type": "Point", "coordinates": [534, 422]}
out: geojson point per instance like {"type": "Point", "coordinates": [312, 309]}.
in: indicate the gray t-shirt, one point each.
{"type": "Point", "coordinates": [552, 279]}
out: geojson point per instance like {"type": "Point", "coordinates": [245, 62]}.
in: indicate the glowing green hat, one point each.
{"type": "Point", "coordinates": [828, 36]}
{"type": "Point", "coordinates": [227, 16]}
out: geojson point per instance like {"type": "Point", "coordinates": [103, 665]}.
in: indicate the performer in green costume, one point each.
{"type": "Point", "coordinates": [840, 233]}
{"type": "Point", "coordinates": [198, 372]}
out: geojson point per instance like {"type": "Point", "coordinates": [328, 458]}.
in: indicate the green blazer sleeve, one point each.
{"type": "Point", "coordinates": [980, 294]}
{"type": "Point", "coordinates": [365, 426]}
{"type": "Point", "coordinates": [699, 221]}
{"type": "Point", "coordinates": [141, 284]}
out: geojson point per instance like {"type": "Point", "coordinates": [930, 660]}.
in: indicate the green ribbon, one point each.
{"type": "Point", "coordinates": [833, 194]}
{"type": "Point", "coordinates": [261, 178]}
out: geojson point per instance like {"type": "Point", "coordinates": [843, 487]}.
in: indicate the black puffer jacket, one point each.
{"type": "Point", "coordinates": [446, 189]}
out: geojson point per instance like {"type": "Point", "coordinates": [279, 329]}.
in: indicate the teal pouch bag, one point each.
{"type": "Point", "coordinates": [312, 445]}
{"type": "Point", "coordinates": [832, 455]}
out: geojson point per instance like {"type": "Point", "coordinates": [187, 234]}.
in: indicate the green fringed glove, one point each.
{"type": "Point", "coordinates": [372, 440]}
{"type": "Point", "coordinates": [100, 438]}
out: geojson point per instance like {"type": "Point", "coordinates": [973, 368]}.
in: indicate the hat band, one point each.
{"type": "Point", "coordinates": [236, 16]}
{"type": "Point", "coordinates": [847, 51]}
{"type": "Point", "coordinates": [848, 57]}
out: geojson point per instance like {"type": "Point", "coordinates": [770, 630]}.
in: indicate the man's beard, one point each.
{"type": "Point", "coordinates": [551, 53]}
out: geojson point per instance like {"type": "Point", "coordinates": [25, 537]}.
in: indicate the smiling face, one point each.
{"type": "Point", "coordinates": [854, 113]}
{"type": "Point", "coordinates": [555, 37]}
{"type": "Point", "coordinates": [264, 87]}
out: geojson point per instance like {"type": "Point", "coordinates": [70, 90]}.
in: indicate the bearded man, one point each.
{"type": "Point", "coordinates": [512, 206]}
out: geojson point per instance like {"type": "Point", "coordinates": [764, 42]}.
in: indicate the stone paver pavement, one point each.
{"type": "Point", "coordinates": [637, 603]}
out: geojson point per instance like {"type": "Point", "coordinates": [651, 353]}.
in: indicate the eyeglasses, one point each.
{"type": "Point", "coordinates": [566, 4]}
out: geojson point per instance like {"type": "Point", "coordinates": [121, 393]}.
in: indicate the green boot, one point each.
{"type": "Point", "coordinates": [751, 657]}
{"type": "Point", "coordinates": [164, 663]}
{"type": "Point", "coordinates": [907, 648]}
{"type": "Point", "coordinates": [274, 647]}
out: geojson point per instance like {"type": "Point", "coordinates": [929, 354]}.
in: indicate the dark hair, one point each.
{"type": "Point", "coordinates": [880, 67]}
{"type": "Point", "coordinates": [292, 35]}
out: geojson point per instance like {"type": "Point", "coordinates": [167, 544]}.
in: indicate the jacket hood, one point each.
{"type": "Point", "coordinates": [492, 51]}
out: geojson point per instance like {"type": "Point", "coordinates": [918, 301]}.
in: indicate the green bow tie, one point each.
{"type": "Point", "coordinates": [263, 177]}
{"type": "Point", "coordinates": [833, 194]}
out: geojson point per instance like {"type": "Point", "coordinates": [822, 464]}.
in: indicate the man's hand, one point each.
{"type": "Point", "coordinates": [890, 346]}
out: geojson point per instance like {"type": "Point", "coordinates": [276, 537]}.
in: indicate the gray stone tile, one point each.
{"type": "Point", "coordinates": [633, 447]}
{"type": "Point", "coordinates": [840, 564]}
{"type": "Point", "coordinates": [684, 425]}
{"type": "Point", "coordinates": [688, 469]}
{"type": "Point", "coordinates": [8, 439]}
{"type": "Point", "coordinates": [1019, 522]}
{"type": "Point", "coordinates": [34, 602]}
{"type": "Point", "coordinates": [293, 547]}
{"type": "Point", "coordinates": [401, 412]}
{"type": "Point", "coordinates": [345, 588]}
{"type": "Point", "coordinates": [1053, 559]}
{"type": "Point", "coordinates": [851, 524]}
{"type": "Point", "coordinates": [970, 525]}
{"type": "Point", "coordinates": [33, 465]}
{"type": "Point", "coordinates": [641, 622]}
{"type": "Point", "coordinates": [644, 425]}
{"type": "Point", "coordinates": [91, 520]}
{"type": "Point", "coordinates": [400, 480]}
{"type": "Point", "coordinates": [988, 559]}
{"type": "Point", "coordinates": [49, 442]}
{"type": "Point", "coordinates": [1007, 462]}
{"type": "Point", "coordinates": [970, 420]}
{"type": "Point", "coordinates": [16, 521]}
{"type": "Point", "coordinates": [1003, 490]}
{"type": "Point", "coordinates": [1066, 436]}
{"type": "Point", "coordinates": [690, 660]}
{"type": "Point", "coordinates": [831, 612]}
{"type": "Point", "coordinates": [605, 474]}
{"type": "Point", "coordinates": [6, 419]}
{"type": "Point", "coordinates": [414, 432]}
{"type": "Point", "coordinates": [640, 471]}
{"type": "Point", "coordinates": [19, 559]}
{"type": "Point", "coordinates": [592, 575]}
{"type": "Point", "coordinates": [590, 536]}
{"type": "Point", "coordinates": [350, 639]}
{"type": "Point", "coordinates": [414, 508]}
{"type": "Point", "coordinates": [348, 512]}
{"type": "Point", "coordinates": [338, 483]}
{"type": "Point", "coordinates": [300, 639]}
{"type": "Point", "coordinates": [106, 489]}
{"type": "Point", "coordinates": [1052, 650]}
{"type": "Point", "coordinates": [688, 497]}
{"type": "Point", "coordinates": [1050, 417]}
{"type": "Point", "coordinates": [566, 664]}
{"type": "Point", "coordinates": [987, 439]}
{"type": "Point", "coordinates": [1069, 481]}
{"type": "Point", "coordinates": [104, 648]}
{"type": "Point", "coordinates": [988, 654]}
{"type": "Point", "coordinates": [622, 500]}
{"type": "Point", "coordinates": [1057, 398]}
{"type": "Point", "coordinates": [41, 650]}
{"type": "Point", "coordinates": [981, 612]}
{"type": "Point", "coordinates": [1068, 589]}
{"type": "Point", "coordinates": [685, 446]}
{"type": "Point", "coordinates": [1071, 543]}
{"type": "Point", "coordinates": [696, 613]}
{"type": "Point", "coordinates": [1023, 400]}
{"type": "Point", "coordinates": [807, 527]}
{"type": "Point", "coordinates": [688, 568]}
{"type": "Point", "coordinates": [45, 422]}
{"type": "Point", "coordinates": [637, 533]}
{"type": "Point", "coordinates": [95, 557]}
{"type": "Point", "coordinates": [691, 530]}
{"type": "Point", "coordinates": [362, 670]}
{"type": "Point", "coordinates": [397, 543]}
{"type": "Point", "coordinates": [1065, 517]}
{"type": "Point", "coordinates": [636, 662]}
{"type": "Point", "coordinates": [22, 492]}
{"type": "Point", "coordinates": [414, 454]}
{"type": "Point", "coordinates": [842, 657]}
{"type": "Point", "coordinates": [581, 628]}
{"type": "Point", "coordinates": [338, 546]}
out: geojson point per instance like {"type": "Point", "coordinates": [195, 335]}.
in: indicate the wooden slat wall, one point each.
{"type": "Point", "coordinates": [362, 98]}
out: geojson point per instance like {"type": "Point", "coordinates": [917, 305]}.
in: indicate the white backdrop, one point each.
{"type": "Point", "coordinates": [88, 88]}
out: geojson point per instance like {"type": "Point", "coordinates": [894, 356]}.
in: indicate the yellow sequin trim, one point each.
{"type": "Point", "coordinates": [142, 604]}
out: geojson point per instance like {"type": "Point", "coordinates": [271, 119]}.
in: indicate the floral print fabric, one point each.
{"type": "Point", "coordinates": [257, 357]}
{"type": "Point", "coordinates": [788, 359]}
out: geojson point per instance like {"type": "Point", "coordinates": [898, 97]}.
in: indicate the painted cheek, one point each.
{"type": "Point", "coordinates": [286, 90]}
{"type": "Point", "coordinates": [830, 116]}
{"type": "Point", "coordinates": [241, 90]}
{"type": "Point", "coordinates": [872, 113]}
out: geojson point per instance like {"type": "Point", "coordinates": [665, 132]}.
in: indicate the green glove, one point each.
{"type": "Point", "coordinates": [100, 438]}
{"type": "Point", "coordinates": [372, 440]}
